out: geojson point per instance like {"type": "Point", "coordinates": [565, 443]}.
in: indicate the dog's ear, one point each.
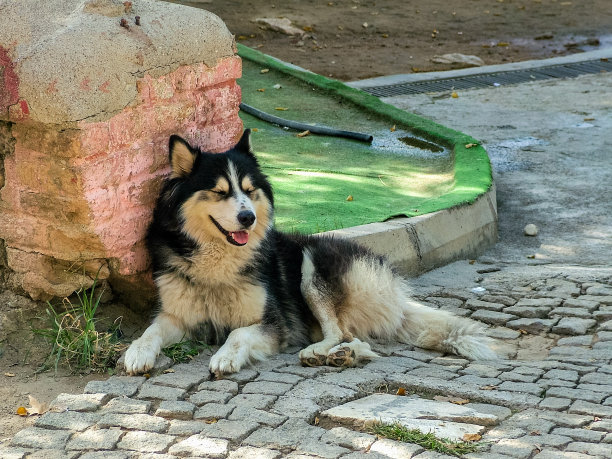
{"type": "Point", "coordinates": [244, 144]}
{"type": "Point", "coordinates": [182, 156]}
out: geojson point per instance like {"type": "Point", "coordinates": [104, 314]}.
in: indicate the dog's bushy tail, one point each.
{"type": "Point", "coordinates": [442, 331]}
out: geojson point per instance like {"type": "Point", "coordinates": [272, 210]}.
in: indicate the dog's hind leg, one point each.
{"type": "Point", "coordinates": [244, 345]}
{"type": "Point", "coordinates": [338, 347]}
{"type": "Point", "coordinates": [141, 355]}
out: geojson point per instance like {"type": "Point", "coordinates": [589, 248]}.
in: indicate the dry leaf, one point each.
{"type": "Point", "coordinates": [36, 407]}
{"type": "Point", "coordinates": [21, 411]}
{"type": "Point", "coordinates": [531, 257]}
{"type": "Point", "coordinates": [488, 387]}
{"type": "Point", "coordinates": [393, 128]}
{"type": "Point", "coordinates": [349, 197]}
{"type": "Point", "coordinates": [401, 391]}
{"type": "Point", "coordinates": [303, 134]}
{"type": "Point", "coordinates": [254, 130]}
{"type": "Point", "coordinates": [242, 37]}
{"type": "Point", "coordinates": [261, 90]}
{"type": "Point", "coordinates": [147, 375]}
{"type": "Point", "coordinates": [471, 145]}
{"type": "Point", "coordinates": [316, 421]}
{"type": "Point", "coordinates": [503, 43]}
{"type": "Point", "coordinates": [534, 432]}
{"type": "Point", "coordinates": [10, 375]}
{"type": "Point", "coordinates": [168, 370]}
{"type": "Point", "coordinates": [471, 437]}
{"type": "Point", "coordinates": [264, 70]}
{"type": "Point", "coordinates": [523, 332]}
{"type": "Point", "coordinates": [211, 421]}
{"type": "Point", "coordinates": [589, 119]}
{"type": "Point", "coordinates": [385, 35]}
{"type": "Point", "coordinates": [281, 109]}
{"type": "Point", "coordinates": [472, 262]}
{"type": "Point", "coordinates": [307, 28]}
{"type": "Point", "coordinates": [454, 95]}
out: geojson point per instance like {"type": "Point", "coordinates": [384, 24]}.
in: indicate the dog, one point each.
{"type": "Point", "coordinates": [218, 260]}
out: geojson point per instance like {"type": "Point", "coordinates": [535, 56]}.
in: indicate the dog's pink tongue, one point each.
{"type": "Point", "coordinates": [241, 237]}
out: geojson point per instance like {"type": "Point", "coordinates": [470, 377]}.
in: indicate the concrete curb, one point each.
{"type": "Point", "coordinates": [418, 244]}
{"type": "Point", "coordinates": [525, 65]}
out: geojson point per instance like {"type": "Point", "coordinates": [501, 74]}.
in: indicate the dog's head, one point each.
{"type": "Point", "coordinates": [219, 197]}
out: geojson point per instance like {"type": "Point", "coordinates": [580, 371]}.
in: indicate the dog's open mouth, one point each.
{"type": "Point", "coordinates": [233, 237]}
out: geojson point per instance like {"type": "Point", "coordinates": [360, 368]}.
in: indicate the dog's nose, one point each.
{"type": "Point", "coordinates": [246, 218]}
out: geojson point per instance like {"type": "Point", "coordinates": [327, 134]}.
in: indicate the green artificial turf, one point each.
{"type": "Point", "coordinates": [314, 175]}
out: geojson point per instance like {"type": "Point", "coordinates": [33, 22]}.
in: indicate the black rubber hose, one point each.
{"type": "Point", "coordinates": [322, 130]}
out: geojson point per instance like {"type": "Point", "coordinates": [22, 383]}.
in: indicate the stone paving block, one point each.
{"type": "Point", "coordinates": [532, 420]}
{"type": "Point", "coordinates": [116, 386]}
{"type": "Point", "coordinates": [527, 388]}
{"type": "Point", "coordinates": [420, 354]}
{"type": "Point", "coordinates": [419, 414]}
{"type": "Point", "coordinates": [68, 420]}
{"type": "Point", "coordinates": [556, 454]}
{"type": "Point", "coordinates": [518, 377]}
{"type": "Point", "coordinates": [526, 370]}
{"type": "Point", "coordinates": [348, 438]}
{"type": "Point", "coordinates": [504, 431]}
{"type": "Point", "coordinates": [273, 376]}
{"type": "Point", "coordinates": [182, 380]}
{"type": "Point", "coordinates": [134, 422]}
{"type": "Point", "coordinates": [220, 385]}
{"type": "Point", "coordinates": [156, 392]}
{"type": "Point", "coordinates": [604, 336]}
{"type": "Point", "coordinates": [548, 383]}
{"type": "Point", "coordinates": [266, 387]}
{"type": "Point", "coordinates": [604, 425]}
{"type": "Point", "coordinates": [514, 447]}
{"type": "Point", "coordinates": [503, 299]}
{"type": "Point", "coordinates": [607, 345]}
{"type": "Point", "coordinates": [393, 364]}
{"type": "Point", "coordinates": [322, 394]}
{"type": "Point", "coordinates": [318, 448]}
{"type": "Point", "coordinates": [395, 449]}
{"type": "Point", "coordinates": [532, 325]}
{"type": "Point", "coordinates": [501, 412]}
{"type": "Point", "coordinates": [146, 442]}
{"type": "Point", "coordinates": [53, 454]}
{"type": "Point", "coordinates": [36, 437]}
{"type": "Point", "coordinates": [555, 403]}
{"type": "Point", "coordinates": [284, 437]}
{"type": "Point", "coordinates": [101, 439]}
{"type": "Point", "coordinates": [479, 305]}
{"type": "Point", "coordinates": [529, 312]}
{"type": "Point", "coordinates": [209, 396]}
{"type": "Point", "coordinates": [587, 435]}
{"type": "Point", "coordinates": [250, 452]}
{"type": "Point", "coordinates": [594, 449]}
{"type": "Point", "coordinates": [502, 333]}
{"type": "Point", "coordinates": [600, 290]}
{"type": "Point", "coordinates": [557, 441]}
{"type": "Point", "coordinates": [589, 305]}
{"type": "Point", "coordinates": [305, 372]}
{"type": "Point", "coordinates": [573, 326]}
{"type": "Point", "coordinates": [126, 405]}
{"type": "Point", "coordinates": [566, 375]}
{"type": "Point", "coordinates": [13, 453]}
{"type": "Point", "coordinates": [294, 407]}
{"type": "Point", "coordinates": [353, 378]}
{"type": "Point", "coordinates": [259, 401]}
{"type": "Point", "coordinates": [603, 368]}
{"type": "Point", "coordinates": [104, 455]}
{"type": "Point", "coordinates": [607, 389]}
{"type": "Point", "coordinates": [493, 317]}
{"type": "Point", "coordinates": [184, 428]}
{"type": "Point", "coordinates": [229, 430]}
{"type": "Point", "coordinates": [450, 361]}
{"type": "Point", "coordinates": [571, 312]}
{"type": "Point", "coordinates": [211, 411]}
{"type": "Point", "coordinates": [584, 340]}
{"type": "Point", "coordinates": [78, 402]}
{"type": "Point", "coordinates": [431, 371]}
{"type": "Point", "coordinates": [594, 409]}
{"type": "Point", "coordinates": [243, 413]}
{"type": "Point", "coordinates": [539, 302]}
{"type": "Point", "coordinates": [175, 410]}
{"type": "Point", "coordinates": [478, 381]}
{"type": "Point", "coordinates": [566, 420]}
{"type": "Point", "coordinates": [606, 326]}
{"type": "Point", "coordinates": [575, 394]}
{"type": "Point", "coordinates": [597, 378]}
{"type": "Point", "coordinates": [243, 376]}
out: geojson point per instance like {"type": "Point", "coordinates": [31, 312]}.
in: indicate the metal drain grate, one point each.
{"type": "Point", "coordinates": [493, 79]}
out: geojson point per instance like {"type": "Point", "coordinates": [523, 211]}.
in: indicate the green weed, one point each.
{"type": "Point", "coordinates": [74, 339]}
{"type": "Point", "coordinates": [428, 441]}
{"type": "Point", "coordinates": [184, 351]}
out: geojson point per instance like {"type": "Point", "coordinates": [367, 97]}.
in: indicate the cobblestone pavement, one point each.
{"type": "Point", "coordinates": [550, 393]}
{"type": "Point", "coordinates": [548, 396]}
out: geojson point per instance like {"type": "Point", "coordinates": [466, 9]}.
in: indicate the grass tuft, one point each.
{"type": "Point", "coordinates": [184, 351]}
{"type": "Point", "coordinates": [428, 441]}
{"type": "Point", "coordinates": [75, 341]}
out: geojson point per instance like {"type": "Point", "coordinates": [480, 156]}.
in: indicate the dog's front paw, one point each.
{"type": "Point", "coordinates": [140, 356]}
{"type": "Point", "coordinates": [314, 355]}
{"type": "Point", "coordinates": [224, 362]}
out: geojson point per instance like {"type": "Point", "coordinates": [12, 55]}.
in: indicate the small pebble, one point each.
{"type": "Point", "coordinates": [530, 230]}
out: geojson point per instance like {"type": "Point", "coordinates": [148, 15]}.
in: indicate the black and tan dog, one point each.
{"type": "Point", "coordinates": [217, 259]}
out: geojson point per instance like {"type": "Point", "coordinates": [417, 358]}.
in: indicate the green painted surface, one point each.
{"type": "Point", "coordinates": [313, 175]}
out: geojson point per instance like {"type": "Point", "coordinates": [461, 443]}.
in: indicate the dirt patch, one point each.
{"type": "Point", "coordinates": [22, 353]}
{"type": "Point", "coordinates": [356, 39]}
